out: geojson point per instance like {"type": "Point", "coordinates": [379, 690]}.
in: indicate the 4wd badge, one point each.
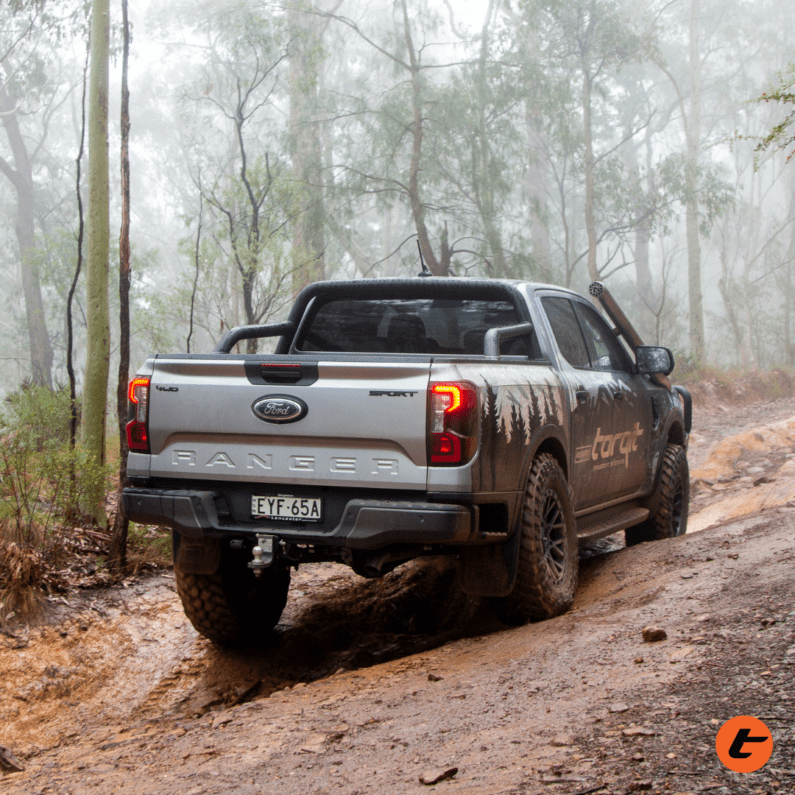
{"type": "Point", "coordinates": [280, 408]}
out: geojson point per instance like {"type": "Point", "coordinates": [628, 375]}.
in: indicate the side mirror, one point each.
{"type": "Point", "coordinates": [654, 359]}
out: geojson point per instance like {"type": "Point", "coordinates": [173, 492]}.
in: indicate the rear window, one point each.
{"type": "Point", "coordinates": [414, 325]}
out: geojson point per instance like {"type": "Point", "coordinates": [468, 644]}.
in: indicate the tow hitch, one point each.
{"type": "Point", "coordinates": [263, 553]}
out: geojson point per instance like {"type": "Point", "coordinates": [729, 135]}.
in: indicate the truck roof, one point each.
{"type": "Point", "coordinates": [416, 284]}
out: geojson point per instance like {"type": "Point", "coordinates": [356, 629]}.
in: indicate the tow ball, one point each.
{"type": "Point", "coordinates": [263, 554]}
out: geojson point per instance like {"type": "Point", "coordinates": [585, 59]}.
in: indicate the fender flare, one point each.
{"type": "Point", "coordinates": [491, 571]}
{"type": "Point", "coordinates": [551, 438]}
{"type": "Point", "coordinates": [674, 431]}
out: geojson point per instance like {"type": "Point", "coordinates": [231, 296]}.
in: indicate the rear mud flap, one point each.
{"type": "Point", "coordinates": [489, 570]}
{"type": "Point", "coordinates": [192, 556]}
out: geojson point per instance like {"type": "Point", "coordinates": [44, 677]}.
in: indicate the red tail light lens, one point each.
{"type": "Point", "coordinates": [453, 420]}
{"type": "Point", "coordinates": [138, 426]}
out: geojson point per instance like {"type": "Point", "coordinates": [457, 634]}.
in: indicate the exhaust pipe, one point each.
{"type": "Point", "coordinates": [379, 564]}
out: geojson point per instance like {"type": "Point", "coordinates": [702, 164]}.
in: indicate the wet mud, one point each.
{"type": "Point", "coordinates": [114, 667]}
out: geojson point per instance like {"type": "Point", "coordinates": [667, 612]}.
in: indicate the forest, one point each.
{"type": "Point", "coordinates": [273, 144]}
{"type": "Point", "coordinates": [266, 145]}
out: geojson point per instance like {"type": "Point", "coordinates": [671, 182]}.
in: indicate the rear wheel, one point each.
{"type": "Point", "coordinates": [670, 502]}
{"type": "Point", "coordinates": [548, 563]}
{"type": "Point", "coordinates": [233, 606]}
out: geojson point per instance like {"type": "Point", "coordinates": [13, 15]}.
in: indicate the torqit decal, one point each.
{"type": "Point", "coordinates": [609, 445]}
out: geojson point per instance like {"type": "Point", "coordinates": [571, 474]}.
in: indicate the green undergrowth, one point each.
{"type": "Point", "coordinates": [148, 546]}
{"type": "Point", "coordinates": [43, 478]}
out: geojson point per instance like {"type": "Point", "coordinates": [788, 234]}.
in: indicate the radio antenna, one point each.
{"type": "Point", "coordinates": [424, 271]}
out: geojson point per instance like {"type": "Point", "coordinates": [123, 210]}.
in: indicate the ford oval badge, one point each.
{"type": "Point", "coordinates": [280, 408]}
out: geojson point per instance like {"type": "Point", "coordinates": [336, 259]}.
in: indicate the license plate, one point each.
{"type": "Point", "coordinates": [295, 509]}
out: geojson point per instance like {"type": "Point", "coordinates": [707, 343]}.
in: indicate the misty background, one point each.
{"type": "Point", "coordinates": [274, 144]}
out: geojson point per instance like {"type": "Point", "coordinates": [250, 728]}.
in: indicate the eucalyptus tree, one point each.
{"type": "Point", "coordinates": [754, 237]}
{"type": "Point", "coordinates": [733, 216]}
{"type": "Point", "coordinates": [782, 133]}
{"type": "Point", "coordinates": [25, 26]}
{"type": "Point", "coordinates": [418, 138]}
{"type": "Point", "coordinates": [307, 22]}
{"type": "Point", "coordinates": [786, 280]}
{"type": "Point", "coordinates": [692, 120]}
{"type": "Point", "coordinates": [579, 51]}
{"type": "Point", "coordinates": [477, 143]}
{"type": "Point", "coordinates": [97, 366]}
{"type": "Point", "coordinates": [704, 48]}
{"type": "Point", "coordinates": [240, 159]}
{"type": "Point", "coordinates": [42, 46]}
{"type": "Point", "coordinates": [425, 132]}
{"type": "Point", "coordinates": [117, 555]}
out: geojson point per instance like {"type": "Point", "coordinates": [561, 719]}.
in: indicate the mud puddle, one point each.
{"type": "Point", "coordinates": [131, 654]}
{"type": "Point", "coordinates": [134, 656]}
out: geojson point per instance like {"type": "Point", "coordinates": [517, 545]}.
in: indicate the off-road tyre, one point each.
{"type": "Point", "coordinates": [548, 555]}
{"type": "Point", "coordinates": [669, 504]}
{"type": "Point", "coordinates": [232, 606]}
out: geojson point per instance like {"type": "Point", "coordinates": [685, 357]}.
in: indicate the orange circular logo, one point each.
{"type": "Point", "coordinates": [744, 744]}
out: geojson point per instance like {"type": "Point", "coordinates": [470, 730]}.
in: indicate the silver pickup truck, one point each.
{"type": "Point", "coordinates": [501, 422]}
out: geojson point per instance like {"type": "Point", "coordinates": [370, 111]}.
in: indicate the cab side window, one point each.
{"type": "Point", "coordinates": [566, 329]}
{"type": "Point", "coordinates": [604, 349]}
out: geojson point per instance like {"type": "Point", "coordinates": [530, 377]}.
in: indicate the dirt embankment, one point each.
{"type": "Point", "coordinates": [739, 389]}
{"type": "Point", "coordinates": [369, 686]}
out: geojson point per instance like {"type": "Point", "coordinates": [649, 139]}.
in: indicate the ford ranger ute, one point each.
{"type": "Point", "coordinates": [501, 422]}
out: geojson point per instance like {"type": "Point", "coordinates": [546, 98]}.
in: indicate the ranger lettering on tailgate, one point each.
{"type": "Point", "coordinates": [264, 461]}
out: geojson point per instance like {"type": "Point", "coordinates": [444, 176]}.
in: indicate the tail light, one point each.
{"type": "Point", "coordinates": [138, 426]}
{"type": "Point", "coordinates": [453, 431]}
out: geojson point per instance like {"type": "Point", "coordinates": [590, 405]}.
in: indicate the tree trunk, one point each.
{"type": "Point", "coordinates": [78, 268]}
{"type": "Point", "coordinates": [117, 558]}
{"type": "Point", "coordinates": [483, 181]}
{"type": "Point", "coordinates": [98, 326]}
{"type": "Point", "coordinates": [196, 268]}
{"type": "Point", "coordinates": [643, 280]}
{"type": "Point", "coordinates": [697, 346]}
{"type": "Point", "coordinates": [438, 267]}
{"type": "Point", "coordinates": [248, 257]}
{"type": "Point", "coordinates": [789, 298]}
{"type": "Point", "coordinates": [590, 222]}
{"type": "Point", "coordinates": [305, 64]}
{"type": "Point", "coordinates": [21, 177]}
{"type": "Point", "coordinates": [536, 180]}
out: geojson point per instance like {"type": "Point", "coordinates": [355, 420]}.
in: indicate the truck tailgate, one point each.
{"type": "Point", "coordinates": [363, 423]}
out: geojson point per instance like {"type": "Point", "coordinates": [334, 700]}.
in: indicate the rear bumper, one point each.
{"type": "Point", "coordinates": [365, 524]}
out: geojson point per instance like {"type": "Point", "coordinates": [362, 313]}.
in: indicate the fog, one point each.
{"type": "Point", "coordinates": [273, 144]}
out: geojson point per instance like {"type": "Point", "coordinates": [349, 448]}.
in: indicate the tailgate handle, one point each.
{"type": "Point", "coordinates": [275, 372]}
{"type": "Point", "coordinates": [281, 373]}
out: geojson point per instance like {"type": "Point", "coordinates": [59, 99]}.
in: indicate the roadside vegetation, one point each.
{"type": "Point", "coordinates": [47, 544]}
{"type": "Point", "coordinates": [733, 385]}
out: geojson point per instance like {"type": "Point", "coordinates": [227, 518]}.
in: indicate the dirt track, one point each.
{"type": "Point", "coordinates": [118, 694]}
